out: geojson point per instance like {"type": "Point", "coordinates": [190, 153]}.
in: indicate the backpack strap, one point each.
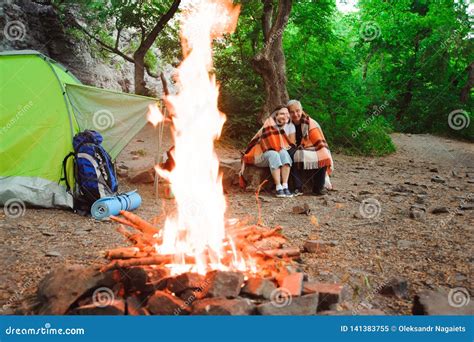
{"type": "Point", "coordinates": [68, 187]}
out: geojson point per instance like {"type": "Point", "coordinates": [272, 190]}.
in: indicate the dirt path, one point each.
{"type": "Point", "coordinates": [372, 246]}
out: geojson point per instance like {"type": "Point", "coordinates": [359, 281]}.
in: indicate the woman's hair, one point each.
{"type": "Point", "coordinates": [277, 108]}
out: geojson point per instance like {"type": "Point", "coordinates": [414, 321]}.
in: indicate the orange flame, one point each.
{"type": "Point", "coordinates": [154, 115]}
{"type": "Point", "coordinates": [197, 230]}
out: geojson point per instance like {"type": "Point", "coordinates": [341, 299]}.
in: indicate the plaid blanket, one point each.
{"type": "Point", "coordinates": [269, 137]}
{"type": "Point", "coordinates": [314, 152]}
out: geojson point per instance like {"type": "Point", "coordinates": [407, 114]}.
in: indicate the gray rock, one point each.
{"type": "Point", "coordinates": [163, 303]}
{"type": "Point", "coordinates": [293, 306]}
{"type": "Point", "coordinates": [53, 254]}
{"type": "Point", "coordinates": [115, 308]}
{"type": "Point", "coordinates": [397, 287]}
{"type": "Point", "coordinates": [438, 302]}
{"type": "Point", "coordinates": [438, 179]}
{"type": "Point", "coordinates": [258, 287]}
{"type": "Point", "coordinates": [186, 281]}
{"type": "Point", "coordinates": [418, 212]}
{"type": "Point", "coordinates": [329, 293]}
{"type": "Point", "coordinates": [223, 284]}
{"type": "Point", "coordinates": [61, 288]}
{"type": "Point", "coordinates": [223, 306]}
{"type": "Point", "coordinates": [143, 176]}
{"type": "Point", "coordinates": [467, 207]}
{"type": "Point", "coordinates": [440, 210]}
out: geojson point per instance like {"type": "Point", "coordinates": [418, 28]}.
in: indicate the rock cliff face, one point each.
{"type": "Point", "coordinates": [25, 24]}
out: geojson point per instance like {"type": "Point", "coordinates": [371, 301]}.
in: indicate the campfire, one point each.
{"type": "Point", "coordinates": [196, 237]}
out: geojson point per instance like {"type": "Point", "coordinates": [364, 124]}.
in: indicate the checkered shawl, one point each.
{"type": "Point", "coordinates": [314, 153]}
{"type": "Point", "coordinates": [269, 137]}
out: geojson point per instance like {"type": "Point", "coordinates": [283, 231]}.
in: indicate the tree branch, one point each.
{"type": "Point", "coordinates": [267, 18]}
{"type": "Point", "coordinates": [106, 46]}
{"type": "Point", "coordinates": [117, 40]}
{"type": "Point", "coordinates": [150, 39]}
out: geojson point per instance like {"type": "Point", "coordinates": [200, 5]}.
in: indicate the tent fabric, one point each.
{"type": "Point", "coordinates": [38, 122]}
{"type": "Point", "coordinates": [35, 191]}
{"type": "Point", "coordinates": [117, 116]}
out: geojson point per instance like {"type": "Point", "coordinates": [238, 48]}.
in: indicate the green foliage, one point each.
{"type": "Point", "coordinates": [133, 19]}
{"type": "Point", "coordinates": [407, 58]}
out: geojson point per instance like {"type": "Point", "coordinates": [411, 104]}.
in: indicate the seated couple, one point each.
{"type": "Point", "coordinates": [288, 142]}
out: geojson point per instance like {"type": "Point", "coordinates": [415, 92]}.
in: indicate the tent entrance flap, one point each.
{"type": "Point", "coordinates": [117, 116]}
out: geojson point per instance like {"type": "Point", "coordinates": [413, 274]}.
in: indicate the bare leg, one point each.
{"type": "Point", "coordinates": [285, 173]}
{"type": "Point", "coordinates": [276, 176]}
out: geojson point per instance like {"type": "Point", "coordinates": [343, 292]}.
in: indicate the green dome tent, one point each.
{"type": "Point", "coordinates": [42, 106]}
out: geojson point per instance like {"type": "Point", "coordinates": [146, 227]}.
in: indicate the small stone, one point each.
{"type": "Point", "coordinates": [163, 303]}
{"type": "Point", "coordinates": [397, 287]}
{"type": "Point", "coordinates": [315, 246]}
{"type": "Point", "coordinates": [440, 210]}
{"type": "Point", "coordinates": [404, 244]}
{"type": "Point", "coordinates": [438, 179]}
{"type": "Point", "coordinates": [258, 287]}
{"type": "Point", "coordinates": [292, 283]}
{"type": "Point", "coordinates": [115, 308]}
{"type": "Point", "coordinates": [223, 284]}
{"type": "Point", "coordinates": [291, 306]}
{"type": "Point", "coordinates": [418, 212]}
{"type": "Point", "coordinates": [45, 233]}
{"type": "Point", "coordinates": [398, 199]}
{"type": "Point", "coordinates": [329, 294]}
{"type": "Point", "coordinates": [467, 207]}
{"type": "Point", "coordinates": [223, 306]}
{"type": "Point", "coordinates": [302, 209]}
{"type": "Point", "coordinates": [143, 176]}
{"type": "Point", "coordinates": [122, 173]}
{"type": "Point", "coordinates": [434, 169]}
{"type": "Point", "coordinates": [421, 199]}
{"type": "Point", "coordinates": [53, 254]}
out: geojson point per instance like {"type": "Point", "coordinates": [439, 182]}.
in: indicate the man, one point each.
{"type": "Point", "coordinates": [311, 151]}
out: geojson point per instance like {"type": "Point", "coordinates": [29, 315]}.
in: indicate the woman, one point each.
{"type": "Point", "coordinates": [269, 148]}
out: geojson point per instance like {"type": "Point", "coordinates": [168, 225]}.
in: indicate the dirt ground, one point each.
{"type": "Point", "coordinates": [368, 215]}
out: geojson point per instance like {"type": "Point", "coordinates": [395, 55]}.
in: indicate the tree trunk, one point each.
{"type": "Point", "coordinates": [407, 95]}
{"type": "Point", "coordinates": [270, 62]}
{"type": "Point", "coordinates": [466, 90]}
{"type": "Point", "coordinates": [140, 85]}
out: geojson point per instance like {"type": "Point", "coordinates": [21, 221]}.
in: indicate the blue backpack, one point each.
{"type": "Point", "coordinates": [94, 171]}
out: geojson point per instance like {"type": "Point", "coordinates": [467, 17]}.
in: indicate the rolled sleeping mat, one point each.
{"type": "Point", "coordinates": [107, 206]}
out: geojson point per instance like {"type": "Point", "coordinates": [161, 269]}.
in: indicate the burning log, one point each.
{"type": "Point", "coordinates": [152, 260]}
{"type": "Point", "coordinates": [137, 222]}
{"type": "Point", "coordinates": [283, 252]}
{"type": "Point", "coordinates": [125, 253]}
